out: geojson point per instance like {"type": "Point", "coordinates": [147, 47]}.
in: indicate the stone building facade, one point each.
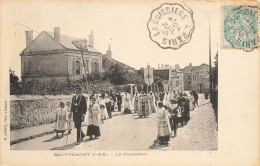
{"type": "Point", "coordinates": [196, 77]}
{"type": "Point", "coordinates": [53, 56]}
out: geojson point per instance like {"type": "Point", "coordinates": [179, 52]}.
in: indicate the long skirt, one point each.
{"type": "Point", "coordinates": [93, 130]}
{"type": "Point", "coordinates": [163, 138]}
{"type": "Point", "coordinates": [135, 105]}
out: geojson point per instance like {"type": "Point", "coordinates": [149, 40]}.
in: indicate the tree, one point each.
{"type": "Point", "coordinates": [116, 75]}
{"type": "Point", "coordinates": [215, 72]}
{"type": "Point", "coordinates": [15, 84]}
{"type": "Point", "coordinates": [215, 87]}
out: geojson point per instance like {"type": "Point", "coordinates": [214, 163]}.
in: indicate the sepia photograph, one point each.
{"type": "Point", "coordinates": [126, 78]}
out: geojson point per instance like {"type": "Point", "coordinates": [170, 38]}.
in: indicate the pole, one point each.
{"type": "Point", "coordinates": [84, 65]}
{"type": "Point", "coordinates": [210, 76]}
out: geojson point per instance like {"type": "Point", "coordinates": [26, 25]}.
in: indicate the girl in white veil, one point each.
{"type": "Point", "coordinates": [166, 100]}
{"type": "Point", "coordinates": [102, 102]}
{"type": "Point", "coordinates": [126, 101]}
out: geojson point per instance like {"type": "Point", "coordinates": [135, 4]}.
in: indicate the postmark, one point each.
{"type": "Point", "coordinates": [171, 25]}
{"type": "Point", "coordinates": [240, 27]}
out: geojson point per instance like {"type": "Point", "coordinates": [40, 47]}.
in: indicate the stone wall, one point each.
{"type": "Point", "coordinates": [32, 112]}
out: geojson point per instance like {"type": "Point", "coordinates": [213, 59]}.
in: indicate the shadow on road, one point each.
{"type": "Point", "coordinates": [52, 139]}
{"type": "Point", "coordinates": [89, 140]}
{"type": "Point", "coordinates": [65, 147]}
{"type": "Point", "coordinates": [157, 145]}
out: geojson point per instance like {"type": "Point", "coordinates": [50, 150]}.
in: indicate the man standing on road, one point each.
{"type": "Point", "coordinates": [79, 108]}
{"type": "Point", "coordinates": [196, 98]}
{"type": "Point", "coordinates": [119, 101]}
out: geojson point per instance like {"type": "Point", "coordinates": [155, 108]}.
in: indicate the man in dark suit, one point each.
{"type": "Point", "coordinates": [119, 101]}
{"type": "Point", "coordinates": [79, 108]}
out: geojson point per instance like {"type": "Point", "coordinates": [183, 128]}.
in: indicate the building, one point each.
{"type": "Point", "coordinates": [196, 77]}
{"type": "Point", "coordinates": [200, 78]}
{"type": "Point", "coordinates": [108, 61]}
{"type": "Point", "coordinates": [188, 76]}
{"type": "Point", "coordinates": [176, 79]}
{"type": "Point", "coordinates": [53, 56]}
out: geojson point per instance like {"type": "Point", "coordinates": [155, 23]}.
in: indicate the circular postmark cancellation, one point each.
{"type": "Point", "coordinates": [171, 25]}
{"type": "Point", "coordinates": [240, 27]}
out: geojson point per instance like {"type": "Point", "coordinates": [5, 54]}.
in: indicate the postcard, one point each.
{"type": "Point", "coordinates": [129, 82]}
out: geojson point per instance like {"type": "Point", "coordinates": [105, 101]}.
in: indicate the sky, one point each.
{"type": "Point", "coordinates": [122, 25]}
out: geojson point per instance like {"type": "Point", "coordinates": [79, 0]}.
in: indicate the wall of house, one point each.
{"type": "Point", "coordinates": [89, 61]}
{"type": "Point", "coordinates": [187, 81]}
{"type": "Point", "coordinates": [44, 67]}
{"type": "Point", "coordinates": [198, 78]}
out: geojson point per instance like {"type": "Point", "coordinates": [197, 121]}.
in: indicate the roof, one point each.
{"type": "Point", "coordinates": [72, 42]}
{"type": "Point", "coordinates": [45, 42]}
{"type": "Point", "coordinates": [107, 61]}
{"type": "Point", "coordinates": [188, 69]}
{"type": "Point", "coordinates": [198, 68]}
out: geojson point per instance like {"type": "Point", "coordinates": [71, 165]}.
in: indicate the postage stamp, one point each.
{"type": "Point", "coordinates": [171, 25]}
{"type": "Point", "coordinates": [240, 28]}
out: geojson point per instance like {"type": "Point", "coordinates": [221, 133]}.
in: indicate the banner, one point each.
{"type": "Point", "coordinates": [148, 76]}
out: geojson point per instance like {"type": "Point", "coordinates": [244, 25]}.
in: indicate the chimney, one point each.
{"type": "Point", "coordinates": [177, 67]}
{"type": "Point", "coordinates": [190, 64]}
{"type": "Point", "coordinates": [158, 65]}
{"type": "Point", "coordinates": [91, 39]}
{"type": "Point", "coordinates": [29, 37]}
{"type": "Point", "coordinates": [57, 34]}
{"type": "Point", "coordinates": [109, 52]}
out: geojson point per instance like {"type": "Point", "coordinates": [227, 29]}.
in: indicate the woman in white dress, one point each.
{"type": "Point", "coordinates": [102, 102]}
{"type": "Point", "coordinates": [135, 101]}
{"type": "Point", "coordinates": [127, 109]}
{"type": "Point", "coordinates": [166, 100]}
{"type": "Point", "coordinates": [152, 102]}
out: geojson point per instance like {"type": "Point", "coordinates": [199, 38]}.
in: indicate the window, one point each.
{"type": "Point", "coordinates": [96, 67]}
{"type": "Point", "coordinates": [177, 83]}
{"type": "Point", "coordinates": [189, 77]}
{"type": "Point", "coordinates": [77, 67]}
{"type": "Point", "coordinates": [189, 82]}
{"type": "Point", "coordinates": [86, 65]}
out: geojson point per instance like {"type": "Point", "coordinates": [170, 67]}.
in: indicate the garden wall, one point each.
{"type": "Point", "coordinates": [33, 111]}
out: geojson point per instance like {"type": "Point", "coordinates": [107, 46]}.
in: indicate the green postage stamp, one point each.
{"type": "Point", "coordinates": [240, 28]}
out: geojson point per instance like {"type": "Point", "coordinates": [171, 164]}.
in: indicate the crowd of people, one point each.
{"type": "Point", "coordinates": [174, 112]}
{"type": "Point", "coordinates": [172, 108]}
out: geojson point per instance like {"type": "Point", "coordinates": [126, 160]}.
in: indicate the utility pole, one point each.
{"type": "Point", "coordinates": [84, 66]}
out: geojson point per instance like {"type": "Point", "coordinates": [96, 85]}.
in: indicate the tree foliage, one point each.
{"type": "Point", "coordinates": [15, 84]}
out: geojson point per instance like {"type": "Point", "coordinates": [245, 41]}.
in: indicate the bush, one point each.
{"type": "Point", "coordinates": [15, 84]}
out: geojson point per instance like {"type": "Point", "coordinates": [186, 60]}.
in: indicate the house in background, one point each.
{"type": "Point", "coordinates": [200, 78]}
{"type": "Point", "coordinates": [52, 55]}
{"type": "Point", "coordinates": [176, 79]}
{"type": "Point", "coordinates": [108, 61]}
{"type": "Point", "coordinates": [187, 74]}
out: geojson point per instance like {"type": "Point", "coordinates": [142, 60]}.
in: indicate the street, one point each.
{"type": "Point", "coordinates": [129, 132]}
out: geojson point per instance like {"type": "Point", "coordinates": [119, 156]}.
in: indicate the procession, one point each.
{"type": "Point", "coordinates": [173, 111]}
{"type": "Point", "coordinates": [86, 99]}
